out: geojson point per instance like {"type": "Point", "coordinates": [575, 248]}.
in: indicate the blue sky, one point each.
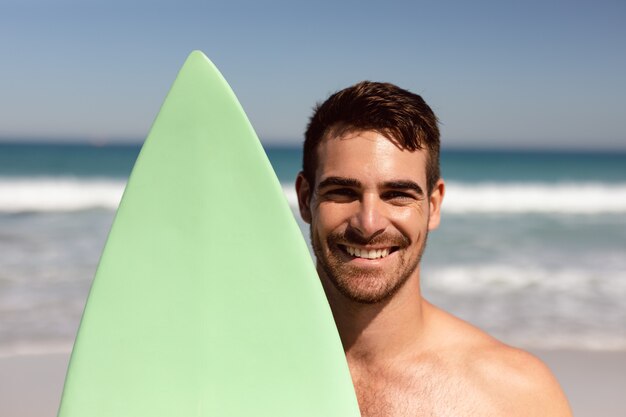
{"type": "Point", "coordinates": [546, 74]}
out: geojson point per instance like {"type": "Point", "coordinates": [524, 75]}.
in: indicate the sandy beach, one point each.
{"type": "Point", "coordinates": [594, 381]}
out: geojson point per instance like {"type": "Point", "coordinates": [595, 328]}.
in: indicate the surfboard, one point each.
{"type": "Point", "coordinates": [206, 301]}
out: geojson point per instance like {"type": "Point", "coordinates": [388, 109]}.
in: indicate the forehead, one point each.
{"type": "Point", "coordinates": [368, 155]}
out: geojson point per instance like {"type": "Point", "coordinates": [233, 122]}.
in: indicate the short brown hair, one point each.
{"type": "Point", "coordinates": [401, 116]}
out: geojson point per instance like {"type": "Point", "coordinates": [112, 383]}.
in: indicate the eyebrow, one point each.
{"type": "Point", "coordinates": [404, 185]}
{"type": "Point", "coordinates": [339, 181]}
{"type": "Point", "coordinates": [351, 182]}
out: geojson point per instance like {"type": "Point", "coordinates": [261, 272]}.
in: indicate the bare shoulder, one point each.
{"type": "Point", "coordinates": [523, 383]}
{"type": "Point", "coordinates": [517, 382]}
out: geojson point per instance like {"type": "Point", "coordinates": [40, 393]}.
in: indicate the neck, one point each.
{"type": "Point", "coordinates": [382, 331]}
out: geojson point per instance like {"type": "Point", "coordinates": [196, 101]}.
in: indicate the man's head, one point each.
{"type": "Point", "coordinates": [370, 189]}
{"type": "Point", "coordinates": [397, 114]}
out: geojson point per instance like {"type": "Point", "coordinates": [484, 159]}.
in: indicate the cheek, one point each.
{"type": "Point", "coordinates": [409, 217]}
{"type": "Point", "coordinates": [330, 216]}
{"type": "Point", "coordinates": [411, 222]}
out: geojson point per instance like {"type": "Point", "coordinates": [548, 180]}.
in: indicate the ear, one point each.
{"type": "Point", "coordinates": [303, 190]}
{"type": "Point", "coordinates": [435, 199]}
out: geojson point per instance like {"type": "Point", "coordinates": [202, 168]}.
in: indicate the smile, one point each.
{"type": "Point", "coordinates": [367, 253]}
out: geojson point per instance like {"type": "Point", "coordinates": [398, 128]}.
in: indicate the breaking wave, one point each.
{"type": "Point", "coordinates": [49, 194]}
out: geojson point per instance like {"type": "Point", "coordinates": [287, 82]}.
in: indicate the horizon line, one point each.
{"type": "Point", "coordinates": [276, 143]}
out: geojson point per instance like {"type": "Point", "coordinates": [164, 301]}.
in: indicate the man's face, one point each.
{"type": "Point", "coordinates": [369, 213]}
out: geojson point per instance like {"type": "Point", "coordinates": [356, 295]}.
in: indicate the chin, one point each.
{"type": "Point", "coordinates": [364, 288]}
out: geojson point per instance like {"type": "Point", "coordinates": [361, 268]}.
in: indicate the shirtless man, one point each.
{"type": "Point", "coordinates": [371, 191]}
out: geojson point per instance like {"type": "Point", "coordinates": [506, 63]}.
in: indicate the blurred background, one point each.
{"type": "Point", "coordinates": [531, 98]}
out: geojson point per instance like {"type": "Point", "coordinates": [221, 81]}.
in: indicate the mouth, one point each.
{"type": "Point", "coordinates": [365, 253]}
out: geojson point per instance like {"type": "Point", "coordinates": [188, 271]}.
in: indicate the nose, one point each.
{"type": "Point", "coordinates": [370, 218]}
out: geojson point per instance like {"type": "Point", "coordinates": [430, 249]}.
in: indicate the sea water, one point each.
{"type": "Point", "coordinates": [531, 247]}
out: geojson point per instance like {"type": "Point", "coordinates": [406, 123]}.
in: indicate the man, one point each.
{"type": "Point", "coordinates": [371, 191]}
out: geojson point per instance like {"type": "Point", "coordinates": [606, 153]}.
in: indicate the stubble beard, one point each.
{"type": "Point", "coordinates": [362, 285]}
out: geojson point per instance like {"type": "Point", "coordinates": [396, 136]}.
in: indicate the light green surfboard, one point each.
{"type": "Point", "coordinates": [206, 301]}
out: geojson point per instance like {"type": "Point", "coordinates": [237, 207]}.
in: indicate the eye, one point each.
{"type": "Point", "coordinates": [341, 191]}
{"type": "Point", "coordinates": [340, 194]}
{"type": "Point", "coordinates": [399, 197]}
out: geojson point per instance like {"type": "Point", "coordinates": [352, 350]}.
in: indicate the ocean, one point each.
{"type": "Point", "coordinates": [531, 248]}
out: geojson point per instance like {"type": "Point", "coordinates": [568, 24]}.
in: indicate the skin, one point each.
{"type": "Point", "coordinates": [406, 356]}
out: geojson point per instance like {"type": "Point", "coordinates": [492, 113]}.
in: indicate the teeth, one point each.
{"type": "Point", "coordinates": [367, 254]}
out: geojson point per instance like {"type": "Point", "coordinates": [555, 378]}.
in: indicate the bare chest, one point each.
{"type": "Point", "coordinates": [428, 390]}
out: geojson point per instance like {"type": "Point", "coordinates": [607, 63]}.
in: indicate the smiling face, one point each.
{"type": "Point", "coordinates": [369, 213]}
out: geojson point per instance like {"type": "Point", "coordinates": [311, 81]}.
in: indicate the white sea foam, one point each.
{"type": "Point", "coordinates": [71, 194]}
{"type": "Point", "coordinates": [506, 278]}
{"type": "Point", "coordinates": [59, 194]}
{"type": "Point", "coordinates": [585, 198]}
{"type": "Point", "coordinates": [535, 306]}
